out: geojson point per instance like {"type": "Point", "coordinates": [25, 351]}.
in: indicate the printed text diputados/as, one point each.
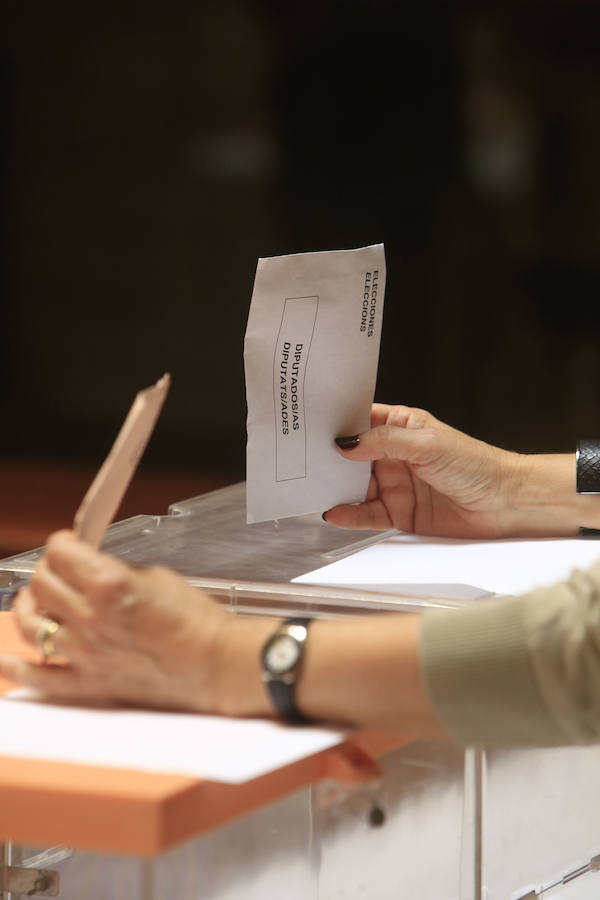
{"type": "Point", "coordinates": [289, 376]}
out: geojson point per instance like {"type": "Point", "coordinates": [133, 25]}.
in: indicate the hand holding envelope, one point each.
{"type": "Point", "coordinates": [101, 501]}
{"type": "Point", "coordinates": [138, 636]}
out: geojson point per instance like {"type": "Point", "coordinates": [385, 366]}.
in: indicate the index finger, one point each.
{"type": "Point", "coordinates": [380, 413]}
{"type": "Point", "coordinates": [85, 569]}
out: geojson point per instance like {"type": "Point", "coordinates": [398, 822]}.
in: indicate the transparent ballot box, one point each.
{"type": "Point", "coordinates": [247, 567]}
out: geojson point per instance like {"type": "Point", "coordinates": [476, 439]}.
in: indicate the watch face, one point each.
{"type": "Point", "coordinates": [281, 655]}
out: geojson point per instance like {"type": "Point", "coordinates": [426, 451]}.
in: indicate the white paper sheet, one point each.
{"type": "Point", "coordinates": [444, 567]}
{"type": "Point", "coordinates": [210, 747]}
{"type": "Point", "coordinates": [311, 354]}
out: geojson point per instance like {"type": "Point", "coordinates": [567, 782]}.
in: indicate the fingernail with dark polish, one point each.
{"type": "Point", "coordinates": [324, 516]}
{"type": "Point", "coordinates": [348, 443]}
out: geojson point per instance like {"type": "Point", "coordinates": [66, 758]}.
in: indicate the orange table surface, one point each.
{"type": "Point", "coordinates": [138, 813]}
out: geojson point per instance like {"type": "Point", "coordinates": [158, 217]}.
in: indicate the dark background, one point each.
{"type": "Point", "coordinates": [153, 151]}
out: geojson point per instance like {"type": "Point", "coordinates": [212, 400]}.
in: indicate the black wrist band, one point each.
{"type": "Point", "coordinates": [588, 467]}
{"type": "Point", "coordinates": [588, 476]}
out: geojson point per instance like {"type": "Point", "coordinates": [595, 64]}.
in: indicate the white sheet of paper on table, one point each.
{"type": "Point", "coordinates": [311, 354]}
{"type": "Point", "coordinates": [211, 747]}
{"type": "Point", "coordinates": [446, 567]}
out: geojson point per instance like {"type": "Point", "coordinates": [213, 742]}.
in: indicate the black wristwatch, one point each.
{"type": "Point", "coordinates": [588, 475]}
{"type": "Point", "coordinates": [281, 661]}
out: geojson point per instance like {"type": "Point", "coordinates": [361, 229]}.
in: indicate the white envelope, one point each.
{"type": "Point", "coordinates": [106, 491]}
{"type": "Point", "coordinates": [311, 355]}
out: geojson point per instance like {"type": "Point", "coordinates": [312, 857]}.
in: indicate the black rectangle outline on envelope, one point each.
{"type": "Point", "coordinates": [307, 297]}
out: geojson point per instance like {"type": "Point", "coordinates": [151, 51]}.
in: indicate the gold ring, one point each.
{"type": "Point", "coordinates": [45, 638]}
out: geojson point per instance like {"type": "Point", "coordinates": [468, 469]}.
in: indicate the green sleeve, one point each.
{"type": "Point", "coordinates": [519, 671]}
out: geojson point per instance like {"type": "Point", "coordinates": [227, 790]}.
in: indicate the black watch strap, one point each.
{"type": "Point", "coordinates": [282, 695]}
{"type": "Point", "coordinates": [588, 467]}
{"type": "Point", "coordinates": [281, 690]}
{"type": "Point", "coordinates": [588, 476]}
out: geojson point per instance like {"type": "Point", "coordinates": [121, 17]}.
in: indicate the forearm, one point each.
{"type": "Point", "coordinates": [367, 672]}
{"type": "Point", "coordinates": [364, 672]}
{"type": "Point", "coordinates": [541, 493]}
